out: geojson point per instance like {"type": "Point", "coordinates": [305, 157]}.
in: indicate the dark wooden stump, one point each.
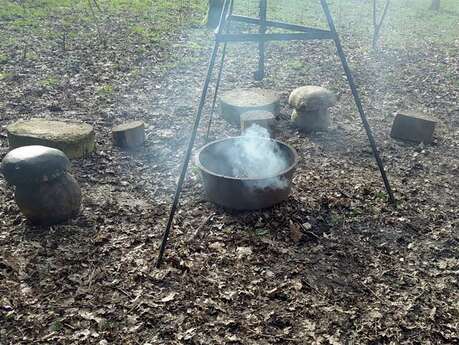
{"type": "Point", "coordinates": [413, 126]}
{"type": "Point", "coordinates": [129, 135]}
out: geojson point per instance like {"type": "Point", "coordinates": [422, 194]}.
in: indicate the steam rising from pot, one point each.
{"type": "Point", "coordinates": [257, 162]}
{"type": "Point", "coordinates": [249, 172]}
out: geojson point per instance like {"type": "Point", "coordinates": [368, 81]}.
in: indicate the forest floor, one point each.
{"type": "Point", "coordinates": [335, 264]}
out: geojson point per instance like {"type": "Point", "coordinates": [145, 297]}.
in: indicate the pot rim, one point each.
{"type": "Point", "coordinates": [291, 167]}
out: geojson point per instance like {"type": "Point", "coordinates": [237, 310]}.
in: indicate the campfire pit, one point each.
{"type": "Point", "coordinates": [222, 186]}
{"type": "Point", "coordinates": [247, 173]}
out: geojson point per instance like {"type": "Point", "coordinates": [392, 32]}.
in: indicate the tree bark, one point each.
{"type": "Point", "coordinates": [214, 11]}
{"type": "Point", "coordinates": [378, 25]}
{"type": "Point", "coordinates": [435, 6]}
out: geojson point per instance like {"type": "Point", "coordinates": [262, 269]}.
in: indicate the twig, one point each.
{"type": "Point", "coordinates": [200, 227]}
{"type": "Point", "coordinates": [96, 4]}
{"type": "Point", "coordinates": [69, 326]}
{"type": "Point", "coordinates": [313, 287]}
{"type": "Point", "coordinates": [91, 277]}
{"type": "Point", "coordinates": [377, 26]}
{"type": "Point", "coordinates": [374, 293]}
{"type": "Point", "coordinates": [96, 21]}
{"type": "Point", "coordinates": [123, 292]}
{"type": "Point", "coordinates": [310, 232]}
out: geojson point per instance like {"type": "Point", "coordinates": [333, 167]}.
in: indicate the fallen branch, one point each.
{"type": "Point", "coordinates": [200, 227]}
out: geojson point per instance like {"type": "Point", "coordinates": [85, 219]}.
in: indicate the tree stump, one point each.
{"type": "Point", "coordinates": [311, 105]}
{"type": "Point", "coordinates": [308, 98]}
{"type": "Point", "coordinates": [413, 126]}
{"type": "Point", "coordinates": [75, 139]}
{"type": "Point", "coordinates": [314, 120]}
{"type": "Point", "coordinates": [129, 135]}
{"type": "Point", "coordinates": [238, 101]}
{"type": "Point", "coordinates": [214, 13]}
{"type": "Point", "coordinates": [260, 118]}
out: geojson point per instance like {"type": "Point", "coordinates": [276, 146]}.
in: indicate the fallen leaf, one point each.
{"type": "Point", "coordinates": [169, 297]}
{"type": "Point", "coordinates": [295, 232]}
{"type": "Point", "coordinates": [243, 252]}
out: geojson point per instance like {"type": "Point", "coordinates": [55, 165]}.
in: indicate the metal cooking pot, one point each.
{"type": "Point", "coordinates": [239, 192]}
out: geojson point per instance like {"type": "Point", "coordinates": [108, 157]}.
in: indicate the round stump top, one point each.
{"type": "Point", "coordinates": [34, 164]}
{"type": "Point", "coordinates": [51, 129]}
{"type": "Point", "coordinates": [250, 97]}
{"type": "Point", "coordinates": [128, 126]}
{"type": "Point", "coordinates": [75, 139]}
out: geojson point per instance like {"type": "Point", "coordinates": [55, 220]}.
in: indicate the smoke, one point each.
{"type": "Point", "coordinates": [258, 161]}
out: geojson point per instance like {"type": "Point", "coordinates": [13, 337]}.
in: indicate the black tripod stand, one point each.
{"type": "Point", "coordinates": [298, 33]}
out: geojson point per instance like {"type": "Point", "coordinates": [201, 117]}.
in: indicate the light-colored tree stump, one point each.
{"type": "Point", "coordinates": [261, 118]}
{"type": "Point", "coordinates": [314, 120]}
{"type": "Point", "coordinates": [311, 105]}
{"type": "Point", "coordinates": [239, 101]}
{"type": "Point", "coordinates": [308, 98]}
{"type": "Point", "coordinates": [129, 135]}
{"type": "Point", "coordinates": [75, 139]}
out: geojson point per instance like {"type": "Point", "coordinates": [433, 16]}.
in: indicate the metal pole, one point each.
{"type": "Point", "coordinates": [217, 87]}
{"type": "Point", "coordinates": [260, 74]}
{"type": "Point", "coordinates": [220, 73]}
{"type": "Point", "coordinates": [357, 100]}
{"type": "Point", "coordinates": [192, 139]}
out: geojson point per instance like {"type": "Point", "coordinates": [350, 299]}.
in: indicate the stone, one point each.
{"type": "Point", "coordinates": [129, 135]}
{"type": "Point", "coordinates": [413, 126]}
{"type": "Point", "coordinates": [308, 121]}
{"type": "Point", "coordinates": [34, 164]}
{"type": "Point", "coordinates": [309, 98]}
{"type": "Point", "coordinates": [238, 101]}
{"type": "Point", "coordinates": [261, 118]}
{"type": "Point", "coordinates": [75, 139]}
{"type": "Point", "coordinates": [50, 202]}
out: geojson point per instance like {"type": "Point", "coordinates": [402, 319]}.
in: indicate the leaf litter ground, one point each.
{"type": "Point", "coordinates": [333, 265]}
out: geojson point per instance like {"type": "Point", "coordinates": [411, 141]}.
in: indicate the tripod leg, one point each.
{"type": "Point", "coordinates": [357, 100]}
{"type": "Point", "coordinates": [217, 87]}
{"type": "Point", "coordinates": [260, 74]}
{"type": "Point", "coordinates": [220, 73]}
{"type": "Point", "coordinates": [188, 154]}
{"type": "Point", "coordinates": [194, 132]}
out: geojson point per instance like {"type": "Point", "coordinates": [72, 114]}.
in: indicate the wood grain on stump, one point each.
{"type": "Point", "coordinates": [129, 135]}
{"type": "Point", "coordinates": [238, 101]}
{"type": "Point", "coordinates": [75, 139]}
